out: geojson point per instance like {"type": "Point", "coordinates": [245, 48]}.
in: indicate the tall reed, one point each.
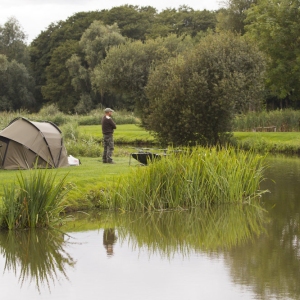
{"type": "Point", "coordinates": [284, 120]}
{"type": "Point", "coordinates": [35, 200]}
{"type": "Point", "coordinates": [190, 178]}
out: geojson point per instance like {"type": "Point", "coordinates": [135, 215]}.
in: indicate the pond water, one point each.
{"type": "Point", "coordinates": [228, 252]}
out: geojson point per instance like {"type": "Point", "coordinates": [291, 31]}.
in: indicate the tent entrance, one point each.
{"type": "Point", "coordinates": [3, 147]}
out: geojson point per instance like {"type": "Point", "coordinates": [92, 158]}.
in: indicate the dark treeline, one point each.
{"type": "Point", "coordinates": [51, 81]}
{"type": "Point", "coordinates": [208, 64]}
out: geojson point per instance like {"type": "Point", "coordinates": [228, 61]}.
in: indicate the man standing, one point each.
{"type": "Point", "coordinates": [108, 126]}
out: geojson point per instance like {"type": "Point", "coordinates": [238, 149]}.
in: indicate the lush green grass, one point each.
{"type": "Point", "coordinates": [189, 178]}
{"type": "Point", "coordinates": [124, 134]}
{"type": "Point", "coordinates": [87, 180]}
{"type": "Point", "coordinates": [265, 141]}
{"type": "Point", "coordinates": [277, 142]}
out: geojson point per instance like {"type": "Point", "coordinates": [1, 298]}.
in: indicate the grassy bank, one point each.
{"type": "Point", "coordinates": [181, 181]}
{"type": "Point", "coordinates": [273, 142]}
{"type": "Point", "coordinates": [87, 180]}
{"type": "Point", "coordinates": [189, 178]}
{"type": "Point", "coordinates": [92, 178]}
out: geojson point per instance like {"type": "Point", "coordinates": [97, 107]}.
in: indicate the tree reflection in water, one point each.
{"type": "Point", "coordinates": [38, 255]}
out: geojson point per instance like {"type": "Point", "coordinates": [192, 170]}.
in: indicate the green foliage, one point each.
{"type": "Point", "coordinates": [133, 21]}
{"type": "Point", "coordinates": [183, 21]}
{"type": "Point", "coordinates": [16, 86]}
{"type": "Point", "coordinates": [193, 97]}
{"type": "Point", "coordinates": [274, 26]}
{"type": "Point", "coordinates": [126, 67]}
{"type": "Point", "coordinates": [58, 88]}
{"type": "Point", "coordinates": [12, 42]}
{"type": "Point", "coordinates": [93, 45]}
{"type": "Point", "coordinates": [36, 201]}
{"type": "Point", "coordinates": [97, 40]}
{"type": "Point", "coordinates": [55, 35]}
{"type": "Point", "coordinates": [232, 17]}
{"type": "Point", "coordinates": [189, 178]}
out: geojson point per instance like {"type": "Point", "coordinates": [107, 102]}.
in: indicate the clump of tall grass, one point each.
{"type": "Point", "coordinates": [285, 120]}
{"type": "Point", "coordinates": [70, 131]}
{"type": "Point", "coordinates": [88, 147]}
{"type": "Point", "coordinates": [190, 178]}
{"type": "Point", "coordinates": [76, 144]}
{"type": "Point", "coordinates": [35, 200]}
{"type": "Point", "coordinates": [7, 117]}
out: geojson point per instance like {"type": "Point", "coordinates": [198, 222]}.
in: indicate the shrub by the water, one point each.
{"type": "Point", "coordinates": [190, 178]}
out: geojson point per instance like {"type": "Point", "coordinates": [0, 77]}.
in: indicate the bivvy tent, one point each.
{"type": "Point", "coordinates": [24, 144]}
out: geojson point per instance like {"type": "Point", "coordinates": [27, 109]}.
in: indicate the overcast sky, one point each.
{"type": "Point", "coordinates": [36, 15]}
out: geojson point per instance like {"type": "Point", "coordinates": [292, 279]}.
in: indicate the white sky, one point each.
{"type": "Point", "coordinates": [36, 15]}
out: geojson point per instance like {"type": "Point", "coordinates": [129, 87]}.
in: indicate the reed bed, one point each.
{"type": "Point", "coordinates": [34, 201]}
{"type": "Point", "coordinates": [189, 178]}
{"type": "Point", "coordinates": [286, 120]}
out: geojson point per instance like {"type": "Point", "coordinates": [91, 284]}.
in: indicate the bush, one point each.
{"type": "Point", "coordinates": [193, 98]}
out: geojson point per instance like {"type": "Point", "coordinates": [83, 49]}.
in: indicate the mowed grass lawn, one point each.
{"type": "Point", "coordinates": [124, 134]}
{"type": "Point", "coordinates": [89, 176]}
{"type": "Point", "coordinates": [288, 138]}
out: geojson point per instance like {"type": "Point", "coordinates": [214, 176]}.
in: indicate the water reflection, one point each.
{"type": "Point", "coordinates": [109, 239]}
{"type": "Point", "coordinates": [168, 232]}
{"type": "Point", "coordinates": [271, 265]}
{"type": "Point", "coordinates": [204, 229]}
{"type": "Point", "coordinates": [36, 255]}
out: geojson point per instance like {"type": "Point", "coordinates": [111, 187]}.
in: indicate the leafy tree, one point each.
{"type": "Point", "coordinates": [193, 97]}
{"type": "Point", "coordinates": [126, 67]}
{"type": "Point", "coordinates": [93, 45]}
{"type": "Point", "coordinates": [56, 34]}
{"type": "Point", "coordinates": [16, 86]}
{"type": "Point", "coordinates": [232, 16]}
{"type": "Point", "coordinates": [12, 42]}
{"type": "Point", "coordinates": [275, 25]}
{"type": "Point", "coordinates": [134, 21]}
{"type": "Point", "coordinates": [97, 40]}
{"type": "Point", "coordinates": [59, 88]}
{"type": "Point", "coordinates": [191, 22]}
{"type": "Point", "coordinates": [184, 21]}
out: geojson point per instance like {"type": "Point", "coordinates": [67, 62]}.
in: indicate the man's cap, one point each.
{"type": "Point", "coordinates": [108, 110]}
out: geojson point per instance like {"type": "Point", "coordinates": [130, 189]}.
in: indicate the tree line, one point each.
{"type": "Point", "coordinates": [199, 67]}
